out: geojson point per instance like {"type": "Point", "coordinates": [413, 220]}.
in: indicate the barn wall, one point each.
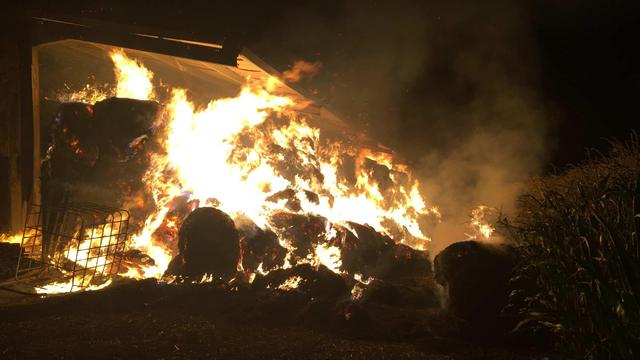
{"type": "Point", "coordinates": [17, 175]}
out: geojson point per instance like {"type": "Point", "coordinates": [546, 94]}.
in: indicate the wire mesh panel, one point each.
{"type": "Point", "coordinates": [85, 242]}
{"type": "Point", "coordinates": [31, 248]}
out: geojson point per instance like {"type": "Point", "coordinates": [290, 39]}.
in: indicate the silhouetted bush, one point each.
{"type": "Point", "coordinates": [578, 239]}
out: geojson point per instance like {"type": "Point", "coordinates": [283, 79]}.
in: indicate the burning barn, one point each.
{"type": "Point", "coordinates": [149, 156]}
{"type": "Point", "coordinates": [150, 166]}
{"type": "Point", "coordinates": [168, 194]}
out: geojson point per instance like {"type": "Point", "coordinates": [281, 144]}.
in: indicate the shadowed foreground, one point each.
{"type": "Point", "coordinates": [147, 320]}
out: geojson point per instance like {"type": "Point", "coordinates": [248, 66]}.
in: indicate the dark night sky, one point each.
{"type": "Point", "coordinates": [419, 75]}
{"type": "Point", "coordinates": [590, 57]}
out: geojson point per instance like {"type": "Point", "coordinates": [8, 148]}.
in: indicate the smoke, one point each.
{"type": "Point", "coordinates": [451, 87]}
{"type": "Point", "coordinates": [485, 132]}
{"type": "Point", "coordinates": [301, 69]}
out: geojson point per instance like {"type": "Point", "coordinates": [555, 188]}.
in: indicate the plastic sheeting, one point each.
{"type": "Point", "coordinates": [71, 65]}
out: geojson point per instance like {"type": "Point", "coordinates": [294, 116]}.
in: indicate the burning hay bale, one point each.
{"type": "Point", "coordinates": [124, 128]}
{"type": "Point", "coordinates": [72, 150]}
{"type": "Point", "coordinates": [289, 196]}
{"type": "Point", "coordinates": [301, 295]}
{"type": "Point", "coordinates": [135, 259]}
{"type": "Point", "coordinates": [476, 277]}
{"type": "Point", "coordinates": [294, 181]}
{"type": "Point", "coordinates": [369, 253]}
{"type": "Point", "coordinates": [208, 244]}
{"type": "Point", "coordinates": [312, 281]}
{"type": "Point", "coordinates": [97, 150]}
{"type": "Point", "coordinates": [292, 202]}
{"type": "Point", "coordinates": [127, 117]}
{"type": "Point", "coordinates": [259, 248]}
{"type": "Point", "coordinates": [372, 254]}
{"type": "Point", "coordinates": [301, 231]}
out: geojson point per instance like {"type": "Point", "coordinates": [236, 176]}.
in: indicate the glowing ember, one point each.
{"type": "Point", "coordinates": [88, 94]}
{"type": "Point", "coordinates": [359, 278]}
{"type": "Point", "coordinates": [291, 283]}
{"type": "Point", "coordinates": [358, 289]}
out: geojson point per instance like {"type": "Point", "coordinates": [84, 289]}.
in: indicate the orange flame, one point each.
{"type": "Point", "coordinates": [480, 224]}
{"type": "Point", "coordinates": [12, 239]}
{"type": "Point", "coordinates": [133, 79]}
{"type": "Point", "coordinates": [238, 152]}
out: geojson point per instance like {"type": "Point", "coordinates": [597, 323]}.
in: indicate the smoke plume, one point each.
{"type": "Point", "coordinates": [451, 87]}
{"type": "Point", "coordinates": [301, 69]}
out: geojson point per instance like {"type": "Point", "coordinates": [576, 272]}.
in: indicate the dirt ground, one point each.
{"type": "Point", "coordinates": [145, 320]}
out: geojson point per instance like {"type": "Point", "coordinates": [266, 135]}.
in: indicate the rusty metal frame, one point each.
{"type": "Point", "coordinates": [85, 242]}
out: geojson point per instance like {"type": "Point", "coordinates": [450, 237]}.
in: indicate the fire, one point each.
{"type": "Point", "coordinates": [291, 283]}
{"type": "Point", "coordinates": [13, 239]}
{"type": "Point", "coordinates": [87, 252]}
{"type": "Point", "coordinates": [84, 252]}
{"type": "Point", "coordinates": [133, 79]}
{"type": "Point", "coordinates": [480, 224]}
{"type": "Point", "coordinates": [88, 94]}
{"type": "Point", "coordinates": [329, 256]}
{"type": "Point", "coordinates": [17, 238]}
{"type": "Point", "coordinates": [239, 153]}
{"type": "Point", "coordinates": [68, 286]}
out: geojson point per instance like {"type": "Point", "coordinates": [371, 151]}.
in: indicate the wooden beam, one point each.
{"type": "Point", "coordinates": [46, 30]}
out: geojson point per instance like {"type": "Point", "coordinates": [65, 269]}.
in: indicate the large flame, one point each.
{"type": "Point", "coordinates": [134, 80]}
{"type": "Point", "coordinates": [239, 153]}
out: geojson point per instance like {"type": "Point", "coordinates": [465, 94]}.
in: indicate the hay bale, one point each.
{"type": "Point", "coordinates": [260, 247]}
{"type": "Point", "coordinates": [72, 149]}
{"type": "Point", "coordinates": [314, 282]}
{"type": "Point", "coordinates": [366, 251]}
{"type": "Point", "coordinates": [120, 121]}
{"type": "Point", "coordinates": [98, 152]}
{"type": "Point", "coordinates": [476, 277]}
{"type": "Point", "coordinates": [301, 231]}
{"type": "Point", "coordinates": [373, 254]}
{"type": "Point", "coordinates": [208, 244]}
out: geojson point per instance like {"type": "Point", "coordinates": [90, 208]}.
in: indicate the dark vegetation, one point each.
{"type": "Point", "coordinates": [577, 235]}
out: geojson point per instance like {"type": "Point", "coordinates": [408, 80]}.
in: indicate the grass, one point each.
{"type": "Point", "coordinates": [578, 239]}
